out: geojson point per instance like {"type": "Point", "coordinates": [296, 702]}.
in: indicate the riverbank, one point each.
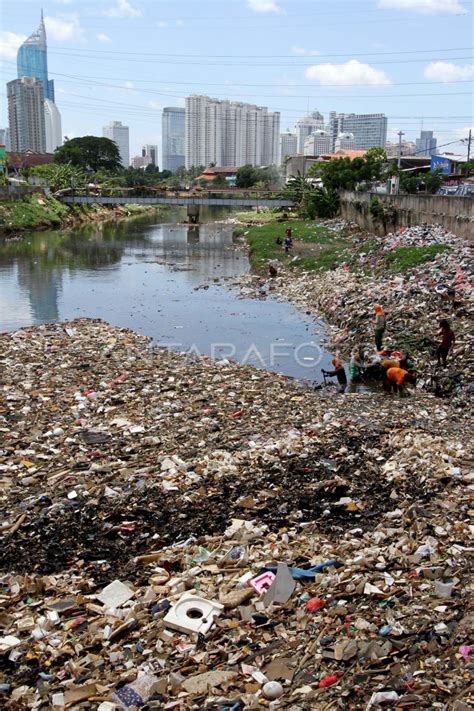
{"type": "Point", "coordinates": [38, 212]}
{"type": "Point", "coordinates": [170, 474]}
{"type": "Point", "coordinates": [409, 273]}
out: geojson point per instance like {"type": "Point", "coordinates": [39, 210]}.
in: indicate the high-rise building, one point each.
{"type": "Point", "coordinates": [288, 144]}
{"type": "Point", "coordinates": [173, 138]}
{"type": "Point", "coordinates": [426, 144]}
{"type": "Point", "coordinates": [141, 162]}
{"type": "Point", "coordinates": [151, 152]}
{"type": "Point", "coordinates": [26, 115]}
{"type": "Point", "coordinates": [52, 123]}
{"type": "Point", "coordinates": [317, 143]}
{"type": "Point", "coordinates": [345, 142]}
{"type": "Point", "coordinates": [119, 133]}
{"type": "Point", "coordinates": [306, 126]}
{"type": "Point", "coordinates": [230, 133]}
{"type": "Point", "coordinates": [370, 130]}
{"type": "Point", "coordinates": [32, 60]}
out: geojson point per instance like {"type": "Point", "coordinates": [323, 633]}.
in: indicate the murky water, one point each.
{"type": "Point", "coordinates": [159, 279]}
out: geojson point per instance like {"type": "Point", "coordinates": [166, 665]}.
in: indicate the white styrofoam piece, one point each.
{"type": "Point", "coordinates": [193, 614]}
{"type": "Point", "coordinates": [115, 594]}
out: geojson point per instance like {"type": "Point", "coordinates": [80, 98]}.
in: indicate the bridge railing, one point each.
{"type": "Point", "coordinates": [144, 191]}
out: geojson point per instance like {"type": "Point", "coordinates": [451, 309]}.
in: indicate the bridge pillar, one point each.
{"type": "Point", "coordinates": [193, 214]}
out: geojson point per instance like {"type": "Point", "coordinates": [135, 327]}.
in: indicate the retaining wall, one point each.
{"type": "Point", "coordinates": [456, 214]}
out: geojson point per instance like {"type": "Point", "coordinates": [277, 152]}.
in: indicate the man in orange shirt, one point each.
{"type": "Point", "coordinates": [396, 378]}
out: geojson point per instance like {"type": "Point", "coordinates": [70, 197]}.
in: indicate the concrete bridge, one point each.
{"type": "Point", "coordinates": [192, 201]}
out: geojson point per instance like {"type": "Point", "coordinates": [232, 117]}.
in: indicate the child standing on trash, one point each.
{"type": "Point", "coordinates": [447, 340]}
{"type": "Point", "coordinates": [380, 324]}
{"type": "Point", "coordinates": [288, 240]}
{"type": "Point", "coordinates": [355, 370]}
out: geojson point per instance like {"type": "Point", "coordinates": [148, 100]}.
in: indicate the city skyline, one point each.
{"type": "Point", "coordinates": [127, 60]}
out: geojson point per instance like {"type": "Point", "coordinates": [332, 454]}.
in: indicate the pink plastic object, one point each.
{"type": "Point", "coordinates": [465, 650]}
{"type": "Point", "coordinates": [262, 582]}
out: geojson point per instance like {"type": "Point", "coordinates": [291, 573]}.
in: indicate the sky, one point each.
{"type": "Point", "coordinates": [125, 60]}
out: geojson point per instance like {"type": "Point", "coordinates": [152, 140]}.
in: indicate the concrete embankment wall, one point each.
{"type": "Point", "coordinates": [454, 213]}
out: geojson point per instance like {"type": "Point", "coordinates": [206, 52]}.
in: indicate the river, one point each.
{"type": "Point", "coordinates": [162, 278]}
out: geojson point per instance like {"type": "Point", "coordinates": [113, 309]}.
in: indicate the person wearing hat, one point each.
{"type": "Point", "coordinates": [380, 324]}
{"type": "Point", "coordinates": [338, 372]}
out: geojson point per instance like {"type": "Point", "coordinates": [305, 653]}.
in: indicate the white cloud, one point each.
{"type": "Point", "coordinates": [63, 29]}
{"type": "Point", "coordinates": [123, 8]}
{"type": "Point", "coordinates": [447, 71]}
{"type": "Point", "coordinates": [161, 24]}
{"type": "Point", "coordinates": [9, 43]}
{"type": "Point", "coordinates": [129, 85]}
{"type": "Point", "coordinates": [426, 6]}
{"type": "Point", "coordinates": [352, 72]}
{"type": "Point", "coordinates": [302, 52]}
{"type": "Point", "coordinates": [102, 37]}
{"type": "Point", "coordinates": [179, 23]}
{"type": "Point", "coordinates": [155, 105]}
{"type": "Point", "coordinates": [263, 6]}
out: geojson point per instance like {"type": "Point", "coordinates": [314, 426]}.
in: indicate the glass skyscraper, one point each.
{"type": "Point", "coordinates": [32, 60]}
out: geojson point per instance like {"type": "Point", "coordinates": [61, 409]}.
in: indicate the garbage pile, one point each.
{"type": "Point", "coordinates": [181, 533]}
{"type": "Point", "coordinates": [414, 300]}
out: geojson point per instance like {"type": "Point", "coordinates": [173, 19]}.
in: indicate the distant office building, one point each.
{"type": "Point", "coordinates": [119, 133]}
{"type": "Point", "coordinates": [408, 149]}
{"type": "Point", "coordinates": [52, 123]}
{"type": "Point", "coordinates": [26, 115]}
{"type": "Point", "coordinates": [426, 144]}
{"type": "Point", "coordinates": [369, 130]}
{"type": "Point", "coordinates": [5, 138]}
{"type": "Point", "coordinates": [317, 143]}
{"type": "Point", "coordinates": [308, 125]}
{"type": "Point", "coordinates": [32, 60]}
{"type": "Point", "coordinates": [288, 144]}
{"type": "Point", "coordinates": [173, 138]}
{"type": "Point", "coordinates": [230, 133]}
{"type": "Point", "coordinates": [141, 162]}
{"type": "Point", "coordinates": [151, 152]}
{"type": "Point", "coordinates": [345, 142]}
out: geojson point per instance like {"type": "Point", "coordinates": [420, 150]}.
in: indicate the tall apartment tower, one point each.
{"type": "Point", "coordinates": [318, 143]}
{"type": "Point", "coordinates": [426, 144]}
{"type": "Point", "coordinates": [173, 138]}
{"type": "Point", "coordinates": [52, 123]}
{"type": "Point", "coordinates": [26, 115]}
{"type": "Point", "coordinates": [119, 133]}
{"type": "Point", "coordinates": [288, 144]}
{"type": "Point", "coordinates": [230, 133]}
{"type": "Point", "coordinates": [306, 126]}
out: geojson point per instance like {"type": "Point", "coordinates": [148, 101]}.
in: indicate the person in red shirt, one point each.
{"type": "Point", "coordinates": [395, 380]}
{"type": "Point", "coordinates": [447, 340]}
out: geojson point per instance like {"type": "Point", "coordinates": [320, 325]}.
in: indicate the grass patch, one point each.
{"type": "Point", "coordinates": [403, 258]}
{"type": "Point", "coordinates": [33, 211]}
{"type": "Point", "coordinates": [259, 218]}
{"type": "Point", "coordinates": [263, 247]}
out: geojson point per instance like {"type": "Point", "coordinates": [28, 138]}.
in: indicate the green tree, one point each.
{"type": "Point", "coordinates": [347, 174]}
{"type": "Point", "coordinates": [219, 180]}
{"type": "Point", "coordinates": [89, 153]}
{"type": "Point", "coordinates": [433, 181]}
{"type": "Point", "coordinates": [247, 176]}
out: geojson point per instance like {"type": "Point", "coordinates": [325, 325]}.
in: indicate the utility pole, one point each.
{"type": "Point", "coordinates": [400, 134]}
{"type": "Point", "coordinates": [469, 145]}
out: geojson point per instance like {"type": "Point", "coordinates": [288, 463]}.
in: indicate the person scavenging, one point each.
{"type": "Point", "coordinates": [380, 325]}
{"type": "Point", "coordinates": [288, 240]}
{"type": "Point", "coordinates": [396, 379]}
{"type": "Point", "coordinates": [447, 340]}
{"type": "Point", "coordinates": [338, 372]}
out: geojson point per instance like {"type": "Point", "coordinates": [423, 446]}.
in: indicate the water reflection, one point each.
{"type": "Point", "coordinates": [157, 278]}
